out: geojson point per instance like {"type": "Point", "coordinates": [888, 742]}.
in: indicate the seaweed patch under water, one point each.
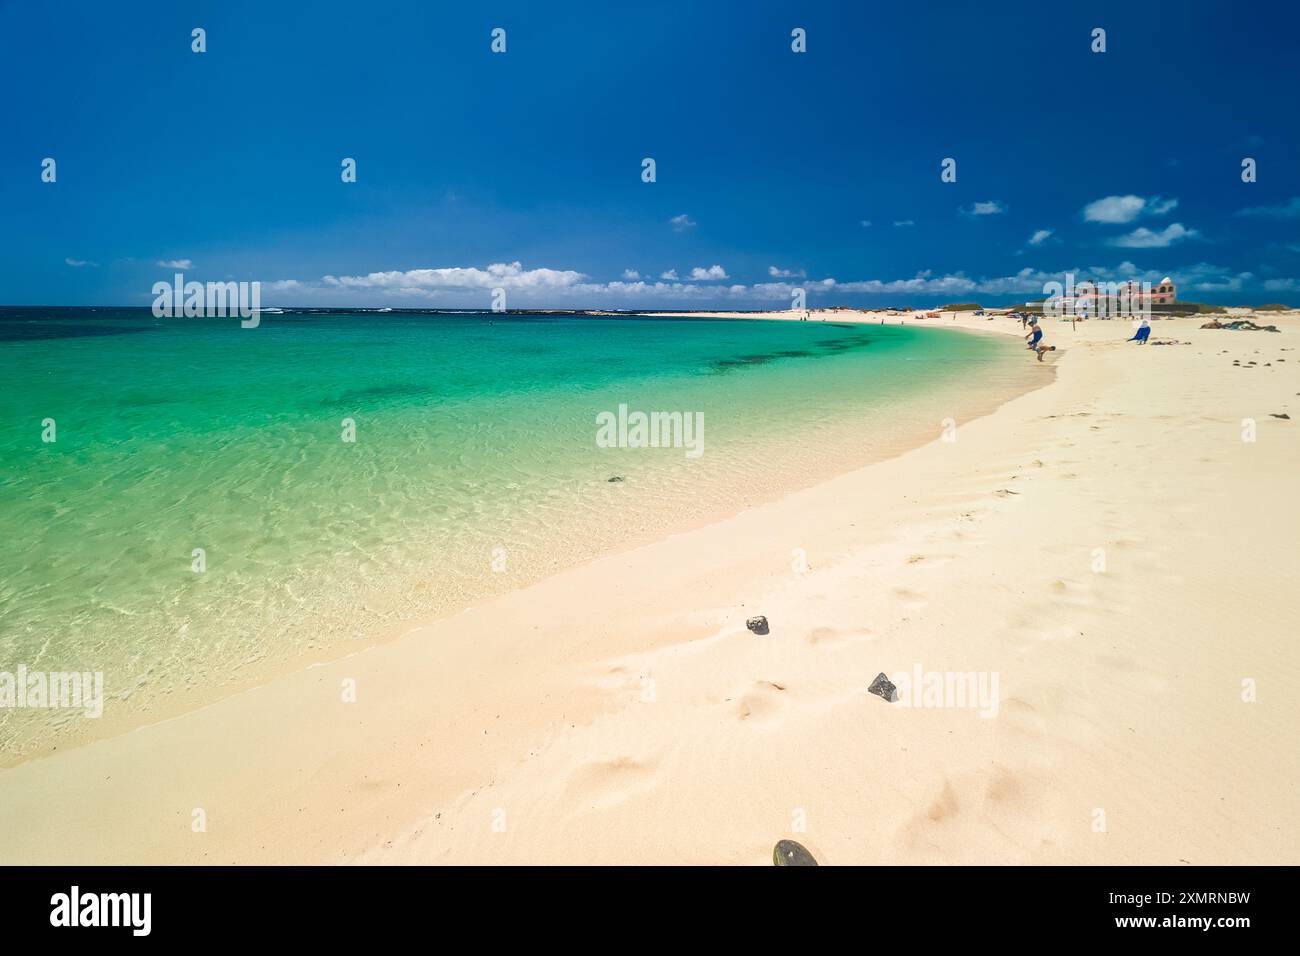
{"type": "Point", "coordinates": [35, 331]}
{"type": "Point", "coordinates": [377, 393]}
{"type": "Point", "coordinates": [824, 347]}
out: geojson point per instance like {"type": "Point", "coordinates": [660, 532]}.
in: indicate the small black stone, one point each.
{"type": "Point", "coordinates": [615, 478]}
{"type": "Point", "coordinates": [789, 853]}
{"type": "Point", "coordinates": [883, 687]}
{"type": "Point", "coordinates": [757, 624]}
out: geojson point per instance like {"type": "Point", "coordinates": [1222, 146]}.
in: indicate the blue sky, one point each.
{"type": "Point", "coordinates": [522, 170]}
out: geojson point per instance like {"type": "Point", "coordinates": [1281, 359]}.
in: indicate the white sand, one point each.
{"type": "Point", "coordinates": [621, 712]}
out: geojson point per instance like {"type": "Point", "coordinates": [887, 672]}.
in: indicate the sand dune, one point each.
{"type": "Point", "coordinates": [1108, 546]}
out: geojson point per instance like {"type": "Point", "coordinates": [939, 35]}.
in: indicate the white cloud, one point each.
{"type": "Point", "coordinates": [498, 275]}
{"type": "Point", "coordinates": [1282, 285]}
{"type": "Point", "coordinates": [700, 274]}
{"type": "Point", "coordinates": [1040, 237]}
{"type": "Point", "coordinates": [904, 222]}
{"type": "Point", "coordinates": [81, 263]}
{"type": "Point", "coordinates": [468, 287]}
{"type": "Point", "coordinates": [864, 223]}
{"type": "Point", "coordinates": [1121, 209]}
{"type": "Point", "coordinates": [1232, 283]}
{"type": "Point", "coordinates": [176, 263]}
{"type": "Point", "coordinates": [631, 275]}
{"type": "Point", "coordinates": [1288, 210]}
{"type": "Point", "coordinates": [682, 223]}
{"type": "Point", "coordinates": [1202, 276]}
{"type": "Point", "coordinates": [1144, 238]}
{"type": "Point", "coordinates": [670, 275]}
{"type": "Point", "coordinates": [993, 207]}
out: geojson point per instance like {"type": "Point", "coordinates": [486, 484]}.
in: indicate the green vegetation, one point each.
{"type": "Point", "coordinates": [1273, 307]}
{"type": "Point", "coordinates": [1199, 308]}
{"type": "Point", "coordinates": [961, 307]}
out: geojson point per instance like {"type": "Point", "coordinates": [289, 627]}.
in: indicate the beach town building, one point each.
{"type": "Point", "coordinates": [1086, 297]}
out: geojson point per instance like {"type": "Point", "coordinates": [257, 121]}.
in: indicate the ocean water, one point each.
{"type": "Point", "coordinates": [475, 468]}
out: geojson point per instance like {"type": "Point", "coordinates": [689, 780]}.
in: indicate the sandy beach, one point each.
{"type": "Point", "coordinates": [1111, 551]}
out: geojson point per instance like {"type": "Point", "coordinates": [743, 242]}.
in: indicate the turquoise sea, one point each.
{"type": "Point", "coordinates": [474, 469]}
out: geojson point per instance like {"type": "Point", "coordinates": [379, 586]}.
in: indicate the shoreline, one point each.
{"type": "Point", "coordinates": [620, 711]}
{"type": "Point", "coordinates": [169, 704]}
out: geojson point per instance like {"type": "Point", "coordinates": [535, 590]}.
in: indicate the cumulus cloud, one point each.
{"type": "Point", "coordinates": [1282, 285]}
{"type": "Point", "coordinates": [503, 275]}
{"type": "Point", "coordinates": [1144, 238]}
{"type": "Point", "coordinates": [700, 274]}
{"type": "Point", "coordinates": [1040, 237]}
{"type": "Point", "coordinates": [176, 263]}
{"type": "Point", "coordinates": [1026, 281]}
{"type": "Point", "coordinates": [992, 207]}
{"type": "Point", "coordinates": [1123, 209]}
{"type": "Point", "coordinates": [468, 286]}
{"type": "Point", "coordinates": [1286, 210]}
{"type": "Point", "coordinates": [682, 223]}
{"type": "Point", "coordinates": [1204, 276]}
{"type": "Point", "coordinates": [631, 275]}
{"type": "Point", "coordinates": [1228, 283]}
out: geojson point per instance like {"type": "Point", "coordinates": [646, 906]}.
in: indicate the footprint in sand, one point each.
{"type": "Point", "coordinates": [831, 636]}
{"type": "Point", "coordinates": [943, 806]}
{"type": "Point", "coordinates": [998, 810]}
{"type": "Point", "coordinates": [612, 679]}
{"type": "Point", "coordinates": [910, 599]}
{"type": "Point", "coordinates": [929, 560]}
{"type": "Point", "coordinates": [603, 784]}
{"type": "Point", "coordinates": [764, 704]}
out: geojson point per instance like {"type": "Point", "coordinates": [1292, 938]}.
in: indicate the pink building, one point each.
{"type": "Point", "coordinates": [1090, 298]}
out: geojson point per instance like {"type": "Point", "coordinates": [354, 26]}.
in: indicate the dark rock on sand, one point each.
{"type": "Point", "coordinates": [1240, 325]}
{"type": "Point", "coordinates": [757, 624]}
{"type": "Point", "coordinates": [789, 853]}
{"type": "Point", "coordinates": [1280, 415]}
{"type": "Point", "coordinates": [615, 478]}
{"type": "Point", "coordinates": [882, 686]}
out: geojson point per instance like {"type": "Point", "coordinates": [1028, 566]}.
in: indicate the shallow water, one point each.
{"type": "Point", "coordinates": [475, 469]}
